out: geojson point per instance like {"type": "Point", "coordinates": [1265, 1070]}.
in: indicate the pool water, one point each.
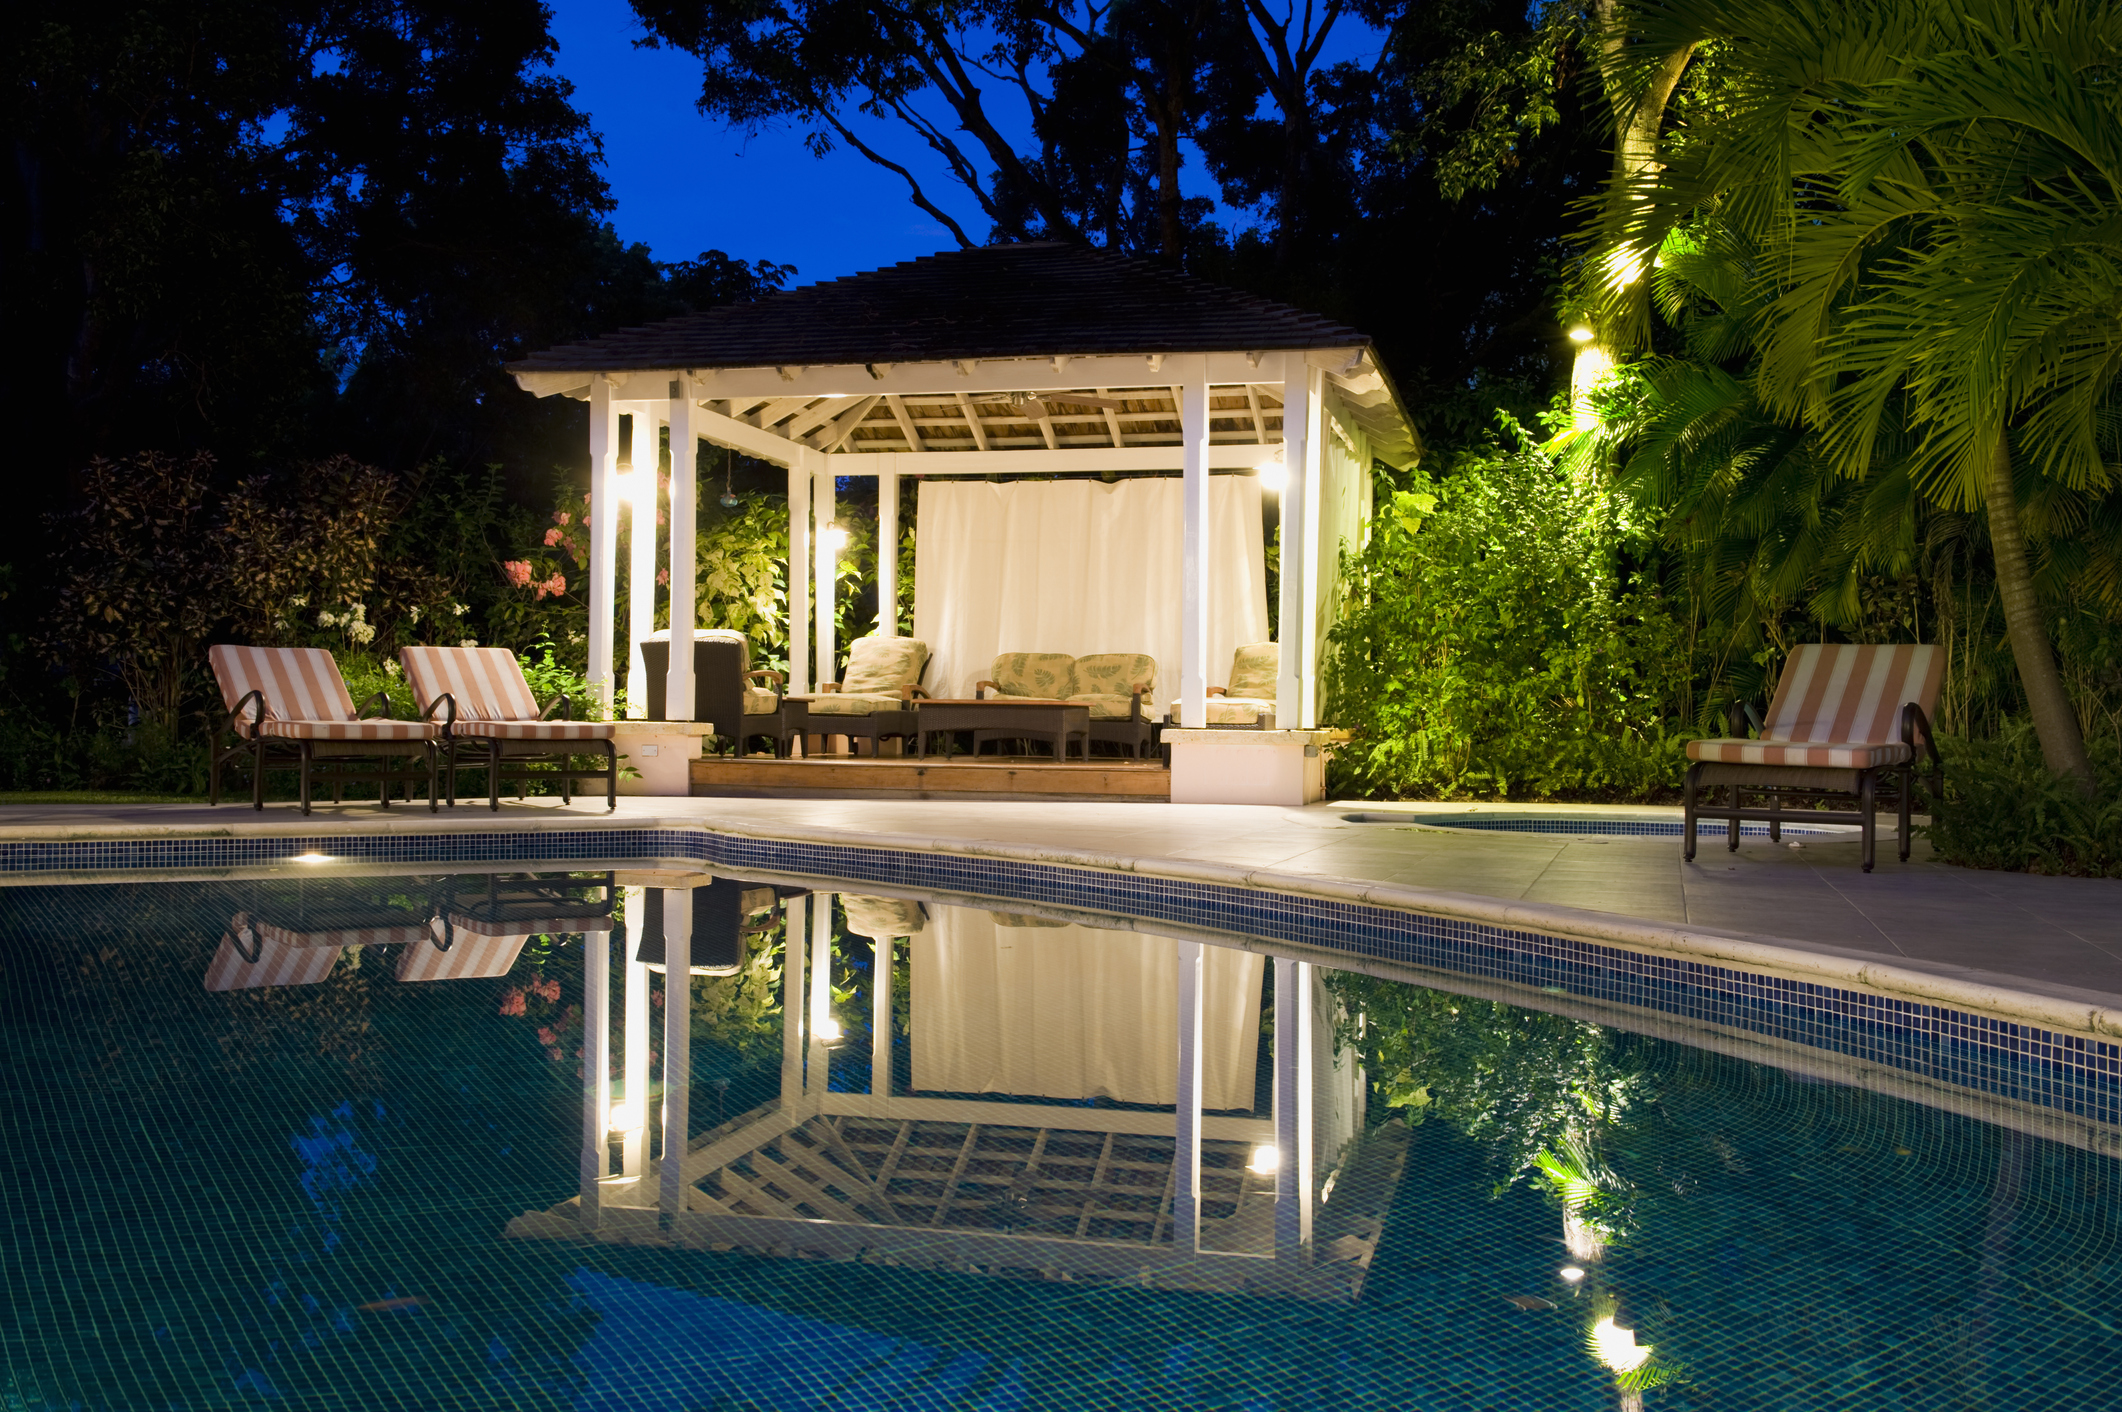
{"type": "Point", "coordinates": [360, 1186]}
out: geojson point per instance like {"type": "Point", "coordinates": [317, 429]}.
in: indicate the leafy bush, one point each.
{"type": "Point", "coordinates": [1494, 644]}
{"type": "Point", "coordinates": [2004, 809]}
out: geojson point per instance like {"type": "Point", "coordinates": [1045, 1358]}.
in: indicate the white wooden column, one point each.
{"type": "Point", "coordinates": [880, 1010]}
{"type": "Point", "coordinates": [596, 1071]}
{"type": "Point", "coordinates": [641, 555]}
{"type": "Point", "coordinates": [677, 1045]}
{"type": "Point", "coordinates": [888, 554]}
{"type": "Point", "coordinates": [684, 497]}
{"type": "Point", "coordinates": [1291, 624]}
{"type": "Point", "coordinates": [633, 1142]}
{"type": "Point", "coordinates": [603, 535]}
{"type": "Point", "coordinates": [1293, 1186]}
{"type": "Point", "coordinates": [1314, 550]}
{"type": "Point", "coordinates": [823, 1026]}
{"type": "Point", "coordinates": [795, 914]}
{"type": "Point", "coordinates": [823, 512]}
{"type": "Point", "coordinates": [1186, 1172]}
{"type": "Point", "coordinates": [799, 579]}
{"type": "Point", "coordinates": [1193, 595]}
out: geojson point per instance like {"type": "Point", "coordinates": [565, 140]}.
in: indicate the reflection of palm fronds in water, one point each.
{"type": "Point", "coordinates": [1594, 1197]}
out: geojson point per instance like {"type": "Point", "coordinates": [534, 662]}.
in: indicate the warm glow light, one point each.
{"type": "Point", "coordinates": [1273, 476]}
{"type": "Point", "coordinates": [832, 539]}
{"type": "Point", "coordinates": [624, 1119]}
{"type": "Point", "coordinates": [312, 858]}
{"type": "Point", "coordinates": [1265, 1160]}
{"type": "Point", "coordinates": [625, 483]}
{"type": "Point", "coordinates": [1582, 333]}
{"type": "Point", "coordinates": [1571, 1273]}
{"type": "Point", "coordinates": [1617, 1348]}
{"type": "Point", "coordinates": [827, 1029]}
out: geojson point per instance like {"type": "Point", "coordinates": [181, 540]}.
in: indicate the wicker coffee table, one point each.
{"type": "Point", "coordinates": [1022, 717]}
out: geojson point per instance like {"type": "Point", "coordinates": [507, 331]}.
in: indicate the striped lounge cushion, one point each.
{"type": "Point", "coordinates": [350, 730]}
{"type": "Point", "coordinates": [548, 925]}
{"type": "Point", "coordinates": [532, 730]}
{"type": "Point", "coordinates": [486, 682]}
{"type": "Point", "coordinates": [1837, 707]}
{"type": "Point", "coordinates": [1826, 755]}
{"type": "Point", "coordinates": [297, 683]}
{"type": "Point", "coordinates": [333, 936]}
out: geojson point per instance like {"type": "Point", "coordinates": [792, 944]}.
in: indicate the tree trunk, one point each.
{"type": "Point", "coordinates": [2055, 721]}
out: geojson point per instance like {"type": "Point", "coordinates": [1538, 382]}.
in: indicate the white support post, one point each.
{"type": "Point", "coordinates": [677, 1046]}
{"type": "Point", "coordinates": [684, 497]}
{"type": "Point", "coordinates": [823, 512]}
{"type": "Point", "coordinates": [1292, 628]}
{"type": "Point", "coordinates": [596, 1070]}
{"type": "Point", "coordinates": [888, 554]}
{"type": "Point", "coordinates": [1314, 478]}
{"type": "Point", "coordinates": [1186, 1175]}
{"type": "Point", "coordinates": [603, 535]}
{"type": "Point", "coordinates": [641, 557]}
{"type": "Point", "coordinates": [1193, 594]}
{"type": "Point", "coordinates": [881, 973]}
{"type": "Point", "coordinates": [821, 992]}
{"type": "Point", "coordinates": [633, 1143]}
{"type": "Point", "coordinates": [795, 914]}
{"type": "Point", "coordinates": [799, 577]}
{"type": "Point", "coordinates": [1293, 1188]}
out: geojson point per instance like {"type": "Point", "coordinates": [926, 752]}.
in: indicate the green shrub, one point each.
{"type": "Point", "coordinates": [2004, 809]}
{"type": "Point", "coordinates": [1495, 646]}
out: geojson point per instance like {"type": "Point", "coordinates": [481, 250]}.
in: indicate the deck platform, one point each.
{"type": "Point", "coordinates": [990, 777]}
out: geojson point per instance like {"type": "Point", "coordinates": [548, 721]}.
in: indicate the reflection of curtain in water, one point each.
{"type": "Point", "coordinates": [1074, 1013]}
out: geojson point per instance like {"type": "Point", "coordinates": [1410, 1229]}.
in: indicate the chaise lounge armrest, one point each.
{"type": "Point", "coordinates": [563, 703]}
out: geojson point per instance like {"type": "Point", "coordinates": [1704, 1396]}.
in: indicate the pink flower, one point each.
{"type": "Point", "coordinates": [552, 536]}
{"type": "Point", "coordinates": [518, 571]}
{"type": "Point", "coordinates": [550, 989]}
{"type": "Point", "coordinates": [560, 517]}
{"type": "Point", "coordinates": [662, 517]}
{"type": "Point", "coordinates": [546, 1035]}
{"type": "Point", "coordinates": [663, 577]}
{"type": "Point", "coordinates": [556, 585]}
{"type": "Point", "coordinates": [512, 1002]}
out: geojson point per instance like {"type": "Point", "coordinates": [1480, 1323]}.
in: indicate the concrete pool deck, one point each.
{"type": "Point", "coordinates": [1920, 929]}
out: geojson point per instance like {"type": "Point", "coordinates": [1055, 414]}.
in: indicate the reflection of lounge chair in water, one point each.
{"type": "Point", "coordinates": [294, 935]}
{"type": "Point", "coordinates": [725, 912]}
{"type": "Point", "coordinates": [482, 936]}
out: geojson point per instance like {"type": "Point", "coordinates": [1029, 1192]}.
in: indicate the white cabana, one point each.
{"type": "Point", "coordinates": [1040, 359]}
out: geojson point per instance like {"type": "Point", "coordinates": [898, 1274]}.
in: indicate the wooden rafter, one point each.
{"type": "Point", "coordinates": [972, 419]}
{"type": "Point", "coordinates": [906, 423]}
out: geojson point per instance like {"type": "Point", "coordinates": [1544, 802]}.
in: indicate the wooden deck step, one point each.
{"type": "Point", "coordinates": [843, 777]}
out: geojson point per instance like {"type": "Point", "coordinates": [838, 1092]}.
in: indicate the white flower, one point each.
{"type": "Point", "coordinates": [468, 642]}
{"type": "Point", "coordinates": [414, 613]}
{"type": "Point", "coordinates": [460, 609]}
{"type": "Point", "coordinates": [390, 667]}
{"type": "Point", "coordinates": [359, 614]}
{"type": "Point", "coordinates": [300, 600]}
{"type": "Point", "coordinates": [327, 619]}
{"type": "Point", "coordinates": [361, 633]}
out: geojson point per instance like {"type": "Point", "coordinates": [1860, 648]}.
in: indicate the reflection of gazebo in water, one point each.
{"type": "Point", "coordinates": [1066, 1102]}
{"type": "Point", "coordinates": [1035, 391]}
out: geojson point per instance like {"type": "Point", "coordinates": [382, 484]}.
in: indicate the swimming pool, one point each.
{"type": "Point", "coordinates": [324, 1142]}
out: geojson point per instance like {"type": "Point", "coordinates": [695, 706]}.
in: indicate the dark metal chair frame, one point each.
{"type": "Point", "coordinates": [1805, 785]}
{"type": "Point", "coordinates": [493, 754]}
{"type": "Point", "coordinates": [336, 762]}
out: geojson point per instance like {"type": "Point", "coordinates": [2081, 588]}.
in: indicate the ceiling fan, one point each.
{"type": "Point", "coordinates": [1034, 407]}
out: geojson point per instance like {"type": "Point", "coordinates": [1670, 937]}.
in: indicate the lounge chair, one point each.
{"type": "Point", "coordinates": [741, 702]}
{"type": "Point", "coordinates": [1249, 700]}
{"type": "Point", "coordinates": [482, 936]}
{"type": "Point", "coordinates": [486, 711]}
{"type": "Point", "coordinates": [1844, 718]}
{"type": "Point", "coordinates": [1113, 684]}
{"type": "Point", "coordinates": [288, 708]}
{"type": "Point", "coordinates": [875, 696]}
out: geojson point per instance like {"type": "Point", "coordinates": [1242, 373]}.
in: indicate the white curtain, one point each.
{"type": "Point", "coordinates": [1079, 567]}
{"type": "Point", "coordinates": [1074, 1013]}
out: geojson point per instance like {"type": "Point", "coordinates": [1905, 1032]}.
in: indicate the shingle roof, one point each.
{"type": "Point", "coordinates": [1007, 301]}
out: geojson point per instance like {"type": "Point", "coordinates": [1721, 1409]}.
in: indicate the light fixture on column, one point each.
{"type": "Point", "coordinates": [624, 1119]}
{"type": "Point", "coordinates": [1273, 473]}
{"type": "Point", "coordinates": [832, 539]}
{"type": "Point", "coordinates": [729, 497]}
{"type": "Point", "coordinates": [624, 483]}
{"type": "Point", "coordinates": [1265, 1159]}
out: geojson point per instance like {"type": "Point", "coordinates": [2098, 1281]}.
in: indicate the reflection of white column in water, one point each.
{"type": "Point", "coordinates": [677, 1043]}
{"type": "Point", "coordinates": [633, 1144]}
{"type": "Point", "coordinates": [596, 1067]}
{"type": "Point", "coordinates": [1186, 1175]}
{"type": "Point", "coordinates": [880, 1024]}
{"type": "Point", "coordinates": [793, 916]}
{"type": "Point", "coordinates": [823, 1027]}
{"type": "Point", "coordinates": [1293, 1187]}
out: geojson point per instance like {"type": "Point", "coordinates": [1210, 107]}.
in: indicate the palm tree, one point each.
{"type": "Point", "coordinates": [1935, 190]}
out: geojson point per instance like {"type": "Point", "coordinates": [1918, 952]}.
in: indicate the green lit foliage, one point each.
{"type": "Point", "coordinates": [1499, 645]}
{"type": "Point", "coordinates": [742, 576]}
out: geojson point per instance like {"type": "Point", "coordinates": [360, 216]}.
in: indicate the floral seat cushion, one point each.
{"type": "Point", "coordinates": [1116, 674]}
{"type": "Point", "coordinates": [1048, 675]}
{"type": "Point", "coordinates": [1254, 671]}
{"type": "Point", "coordinates": [846, 703]}
{"type": "Point", "coordinates": [1231, 711]}
{"type": "Point", "coordinates": [759, 701]}
{"type": "Point", "coordinates": [880, 666]}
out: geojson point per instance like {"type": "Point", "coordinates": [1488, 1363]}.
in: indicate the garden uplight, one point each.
{"type": "Point", "coordinates": [1617, 1348]}
{"type": "Point", "coordinates": [1581, 333]}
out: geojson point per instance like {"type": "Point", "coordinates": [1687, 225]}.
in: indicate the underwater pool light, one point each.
{"type": "Point", "coordinates": [1571, 1274]}
{"type": "Point", "coordinates": [311, 858]}
{"type": "Point", "coordinates": [1265, 1159]}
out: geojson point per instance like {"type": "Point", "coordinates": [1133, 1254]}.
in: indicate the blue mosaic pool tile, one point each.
{"type": "Point", "coordinates": [2065, 1072]}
